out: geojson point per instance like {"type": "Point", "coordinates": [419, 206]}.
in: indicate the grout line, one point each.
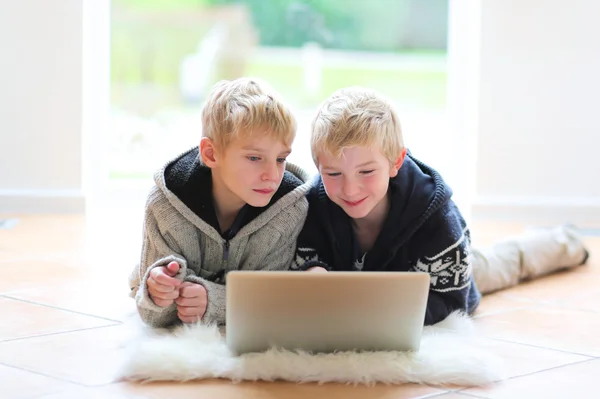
{"type": "Point", "coordinates": [59, 308]}
{"type": "Point", "coordinates": [541, 347]}
{"type": "Point", "coordinates": [551, 306]}
{"type": "Point", "coordinates": [532, 373]}
{"type": "Point", "coordinates": [57, 333]}
{"type": "Point", "coordinates": [470, 395]}
{"type": "Point", "coordinates": [442, 394]}
{"type": "Point", "coordinates": [44, 375]}
{"type": "Point", "coordinates": [433, 395]}
{"type": "Point", "coordinates": [528, 303]}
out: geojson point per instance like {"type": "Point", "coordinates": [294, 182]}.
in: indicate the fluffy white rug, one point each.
{"type": "Point", "coordinates": [451, 353]}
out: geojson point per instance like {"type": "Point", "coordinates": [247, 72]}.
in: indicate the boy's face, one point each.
{"type": "Point", "coordinates": [358, 180]}
{"type": "Point", "coordinates": [251, 168]}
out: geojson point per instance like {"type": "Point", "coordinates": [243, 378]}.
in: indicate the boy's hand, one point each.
{"type": "Point", "coordinates": [317, 269]}
{"type": "Point", "coordinates": [192, 302]}
{"type": "Point", "coordinates": [162, 286]}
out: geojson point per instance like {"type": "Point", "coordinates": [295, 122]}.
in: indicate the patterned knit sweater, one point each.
{"type": "Point", "coordinates": [180, 225]}
{"type": "Point", "coordinates": [424, 231]}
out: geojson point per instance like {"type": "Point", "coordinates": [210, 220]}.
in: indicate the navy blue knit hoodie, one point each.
{"type": "Point", "coordinates": [424, 231]}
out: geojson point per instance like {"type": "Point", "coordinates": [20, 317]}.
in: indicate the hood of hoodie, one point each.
{"type": "Point", "coordinates": [187, 183]}
{"type": "Point", "coordinates": [416, 193]}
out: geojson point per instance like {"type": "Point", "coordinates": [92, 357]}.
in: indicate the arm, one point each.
{"type": "Point", "coordinates": [157, 251]}
{"type": "Point", "coordinates": [445, 255]}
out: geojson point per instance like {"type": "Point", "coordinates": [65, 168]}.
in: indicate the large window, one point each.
{"type": "Point", "coordinates": [166, 54]}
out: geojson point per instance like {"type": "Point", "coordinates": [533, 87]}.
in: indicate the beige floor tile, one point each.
{"type": "Point", "coordinates": [569, 330]}
{"type": "Point", "coordinates": [573, 381]}
{"type": "Point", "coordinates": [36, 236]}
{"type": "Point", "coordinates": [94, 287]}
{"type": "Point", "coordinates": [89, 357]}
{"type": "Point", "coordinates": [91, 297]}
{"type": "Point", "coordinates": [483, 235]}
{"type": "Point", "coordinates": [498, 302]}
{"type": "Point", "coordinates": [557, 287]}
{"type": "Point", "coordinates": [589, 301]}
{"type": "Point", "coordinates": [519, 359]}
{"type": "Point", "coordinates": [20, 384]}
{"type": "Point", "coordinates": [282, 390]}
{"type": "Point", "coordinates": [21, 319]}
{"type": "Point", "coordinates": [40, 274]}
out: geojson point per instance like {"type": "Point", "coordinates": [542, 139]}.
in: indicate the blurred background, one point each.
{"type": "Point", "coordinates": [499, 95]}
{"type": "Point", "coordinates": [166, 55]}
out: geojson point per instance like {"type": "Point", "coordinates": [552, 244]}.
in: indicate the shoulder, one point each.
{"type": "Point", "coordinates": [283, 218]}
{"type": "Point", "coordinates": [443, 237]}
{"type": "Point", "coordinates": [291, 217]}
{"type": "Point", "coordinates": [161, 211]}
{"type": "Point", "coordinates": [447, 220]}
{"type": "Point", "coordinates": [156, 200]}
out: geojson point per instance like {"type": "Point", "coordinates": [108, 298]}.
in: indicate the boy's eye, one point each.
{"type": "Point", "coordinates": [334, 174]}
{"type": "Point", "coordinates": [280, 160]}
{"type": "Point", "coordinates": [253, 159]}
{"type": "Point", "coordinates": [366, 172]}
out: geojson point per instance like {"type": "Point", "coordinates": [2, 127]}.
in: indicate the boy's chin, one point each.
{"type": "Point", "coordinates": [356, 212]}
{"type": "Point", "coordinates": [259, 202]}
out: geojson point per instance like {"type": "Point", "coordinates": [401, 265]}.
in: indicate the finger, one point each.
{"type": "Point", "coordinates": [192, 291]}
{"type": "Point", "coordinates": [185, 284]}
{"type": "Point", "coordinates": [190, 301]}
{"type": "Point", "coordinates": [161, 277]}
{"type": "Point", "coordinates": [190, 310]}
{"type": "Point", "coordinates": [172, 269]}
{"type": "Point", "coordinates": [160, 287]}
{"type": "Point", "coordinates": [163, 303]}
{"type": "Point", "coordinates": [164, 295]}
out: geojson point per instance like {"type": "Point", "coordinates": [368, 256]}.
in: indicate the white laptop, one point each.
{"type": "Point", "coordinates": [325, 312]}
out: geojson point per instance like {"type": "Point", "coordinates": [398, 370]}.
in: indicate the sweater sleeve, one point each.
{"type": "Point", "coordinates": [157, 250]}
{"type": "Point", "coordinates": [311, 247]}
{"type": "Point", "coordinates": [444, 252]}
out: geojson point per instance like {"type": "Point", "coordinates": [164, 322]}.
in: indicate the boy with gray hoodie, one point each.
{"type": "Point", "coordinates": [232, 203]}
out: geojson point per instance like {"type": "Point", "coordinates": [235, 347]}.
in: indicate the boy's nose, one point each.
{"type": "Point", "coordinates": [270, 173]}
{"type": "Point", "coordinates": [350, 188]}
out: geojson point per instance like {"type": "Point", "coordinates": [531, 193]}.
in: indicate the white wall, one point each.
{"type": "Point", "coordinates": [538, 113]}
{"type": "Point", "coordinates": [41, 105]}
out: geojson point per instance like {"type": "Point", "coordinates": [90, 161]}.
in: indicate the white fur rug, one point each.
{"type": "Point", "coordinates": [451, 353]}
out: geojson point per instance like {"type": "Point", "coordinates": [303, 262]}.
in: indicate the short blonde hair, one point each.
{"type": "Point", "coordinates": [356, 116]}
{"type": "Point", "coordinates": [237, 107]}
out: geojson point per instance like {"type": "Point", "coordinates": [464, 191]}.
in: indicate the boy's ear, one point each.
{"type": "Point", "coordinates": [398, 163]}
{"type": "Point", "coordinates": [207, 152]}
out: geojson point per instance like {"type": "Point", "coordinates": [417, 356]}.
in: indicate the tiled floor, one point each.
{"type": "Point", "coordinates": [63, 300]}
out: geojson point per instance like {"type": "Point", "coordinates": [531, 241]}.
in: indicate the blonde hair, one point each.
{"type": "Point", "coordinates": [356, 116]}
{"type": "Point", "coordinates": [239, 106]}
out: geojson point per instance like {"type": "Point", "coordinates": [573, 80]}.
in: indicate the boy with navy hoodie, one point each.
{"type": "Point", "coordinates": [374, 207]}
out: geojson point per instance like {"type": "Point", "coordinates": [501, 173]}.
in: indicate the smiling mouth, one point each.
{"type": "Point", "coordinates": [265, 191]}
{"type": "Point", "coordinates": [354, 203]}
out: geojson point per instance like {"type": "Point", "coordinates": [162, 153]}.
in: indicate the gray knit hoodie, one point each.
{"type": "Point", "coordinates": [174, 231]}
